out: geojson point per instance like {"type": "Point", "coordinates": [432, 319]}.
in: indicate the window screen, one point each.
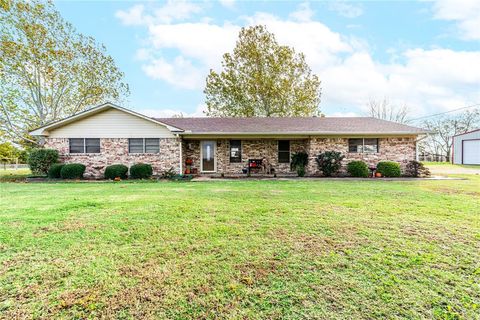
{"type": "Point", "coordinates": [92, 145]}
{"type": "Point", "coordinates": [152, 145]}
{"type": "Point", "coordinates": [355, 145]}
{"type": "Point", "coordinates": [235, 151]}
{"type": "Point", "coordinates": [284, 151]}
{"type": "Point", "coordinates": [370, 145]}
{"type": "Point", "coordinates": [77, 145]}
{"type": "Point", "coordinates": [363, 145]}
{"type": "Point", "coordinates": [135, 145]}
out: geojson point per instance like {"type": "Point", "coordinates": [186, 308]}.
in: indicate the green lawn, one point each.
{"type": "Point", "coordinates": [14, 175]}
{"type": "Point", "coordinates": [305, 249]}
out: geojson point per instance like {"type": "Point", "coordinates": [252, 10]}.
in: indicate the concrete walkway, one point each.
{"type": "Point", "coordinates": [432, 178]}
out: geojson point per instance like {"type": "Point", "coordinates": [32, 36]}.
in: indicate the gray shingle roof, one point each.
{"type": "Point", "coordinates": [312, 125]}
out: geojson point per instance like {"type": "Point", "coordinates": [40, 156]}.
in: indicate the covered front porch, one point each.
{"type": "Point", "coordinates": [240, 156]}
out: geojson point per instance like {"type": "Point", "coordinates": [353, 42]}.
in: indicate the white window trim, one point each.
{"type": "Point", "coordinates": [144, 146]}
{"type": "Point", "coordinates": [84, 146]}
{"type": "Point", "coordinates": [363, 146]}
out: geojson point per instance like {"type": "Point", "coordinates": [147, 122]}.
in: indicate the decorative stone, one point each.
{"type": "Point", "coordinates": [115, 151]}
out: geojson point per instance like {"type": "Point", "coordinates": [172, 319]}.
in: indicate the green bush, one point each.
{"type": "Point", "coordinates": [299, 162]}
{"type": "Point", "coordinates": [116, 170]}
{"type": "Point", "coordinates": [301, 171]}
{"type": "Point", "coordinates": [358, 169]}
{"type": "Point", "coordinates": [40, 160]}
{"type": "Point", "coordinates": [389, 169]}
{"type": "Point", "coordinates": [141, 171]}
{"type": "Point", "coordinates": [299, 159]}
{"type": "Point", "coordinates": [72, 171]}
{"type": "Point", "coordinates": [54, 171]}
{"type": "Point", "coordinates": [416, 169]}
{"type": "Point", "coordinates": [329, 162]}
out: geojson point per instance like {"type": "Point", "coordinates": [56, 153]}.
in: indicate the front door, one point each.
{"type": "Point", "coordinates": [208, 156]}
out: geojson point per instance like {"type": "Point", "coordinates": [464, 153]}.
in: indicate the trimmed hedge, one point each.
{"type": "Point", "coordinates": [389, 169]}
{"type": "Point", "coordinates": [358, 169]}
{"type": "Point", "coordinates": [54, 171]}
{"type": "Point", "coordinates": [72, 171]}
{"type": "Point", "coordinates": [40, 160]}
{"type": "Point", "coordinates": [116, 170]}
{"type": "Point", "coordinates": [141, 171]}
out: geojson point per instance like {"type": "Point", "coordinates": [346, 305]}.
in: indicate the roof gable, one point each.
{"type": "Point", "coordinates": [44, 130]}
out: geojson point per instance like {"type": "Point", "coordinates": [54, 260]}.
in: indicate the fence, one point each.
{"type": "Point", "coordinates": [433, 157]}
{"type": "Point", "coordinates": [11, 164]}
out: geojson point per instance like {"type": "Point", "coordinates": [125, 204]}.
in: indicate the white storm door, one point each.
{"type": "Point", "coordinates": [208, 162]}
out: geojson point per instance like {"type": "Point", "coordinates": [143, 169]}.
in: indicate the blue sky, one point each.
{"type": "Point", "coordinates": [425, 55]}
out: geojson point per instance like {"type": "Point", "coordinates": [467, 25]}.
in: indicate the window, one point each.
{"type": "Point", "coordinates": [144, 145]}
{"type": "Point", "coordinates": [92, 145]}
{"type": "Point", "coordinates": [152, 145]}
{"type": "Point", "coordinates": [284, 151]}
{"type": "Point", "coordinates": [84, 145]}
{"type": "Point", "coordinates": [363, 145]}
{"type": "Point", "coordinates": [235, 151]}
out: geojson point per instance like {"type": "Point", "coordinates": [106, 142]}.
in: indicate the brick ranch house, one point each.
{"type": "Point", "coordinates": [109, 134]}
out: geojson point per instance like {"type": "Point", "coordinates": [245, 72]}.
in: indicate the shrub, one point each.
{"type": "Point", "coordinates": [116, 170]}
{"type": "Point", "coordinates": [301, 171]}
{"type": "Point", "coordinates": [329, 162]}
{"type": "Point", "coordinates": [416, 169]}
{"type": "Point", "coordinates": [389, 168]}
{"type": "Point", "coordinates": [54, 171]}
{"type": "Point", "coordinates": [141, 171]}
{"type": "Point", "coordinates": [40, 160]}
{"type": "Point", "coordinates": [299, 159]}
{"type": "Point", "coordinates": [358, 169]}
{"type": "Point", "coordinates": [72, 171]}
{"type": "Point", "coordinates": [169, 174]}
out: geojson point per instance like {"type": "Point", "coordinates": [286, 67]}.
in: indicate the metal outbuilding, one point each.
{"type": "Point", "coordinates": [466, 148]}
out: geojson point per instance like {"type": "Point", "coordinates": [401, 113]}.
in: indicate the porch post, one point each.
{"type": "Point", "coordinates": [180, 164]}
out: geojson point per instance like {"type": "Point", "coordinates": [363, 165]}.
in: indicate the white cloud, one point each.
{"type": "Point", "coordinates": [466, 13]}
{"type": "Point", "coordinates": [303, 13]}
{"type": "Point", "coordinates": [344, 9]}
{"type": "Point", "coordinates": [227, 3]}
{"type": "Point", "coordinates": [181, 54]}
{"type": "Point", "coordinates": [173, 10]}
{"type": "Point", "coordinates": [166, 113]}
{"type": "Point", "coordinates": [133, 16]}
{"type": "Point", "coordinates": [180, 72]}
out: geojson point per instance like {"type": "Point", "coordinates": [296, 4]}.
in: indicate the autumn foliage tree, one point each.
{"type": "Point", "coordinates": [262, 78]}
{"type": "Point", "coordinates": [47, 69]}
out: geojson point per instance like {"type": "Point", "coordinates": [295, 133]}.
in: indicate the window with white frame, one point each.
{"type": "Point", "coordinates": [84, 145]}
{"type": "Point", "coordinates": [363, 145]}
{"type": "Point", "coordinates": [143, 145]}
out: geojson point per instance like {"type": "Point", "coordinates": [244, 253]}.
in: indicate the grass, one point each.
{"type": "Point", "coordinates": [241, 250]}
{"type": "Point", "coordinates": [10, 175]}
{"type": "Point", "coordinates": [449, 164]}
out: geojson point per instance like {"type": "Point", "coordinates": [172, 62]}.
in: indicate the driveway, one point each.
{"type": "Point", "coordinates": [453, 169]}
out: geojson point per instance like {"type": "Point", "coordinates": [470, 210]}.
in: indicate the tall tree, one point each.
{"type": "Point", "coordinates": [262, 78]}
{"type": "Point", "coordinates": [382, 109]}
{"type": "Point", "coordinates": [445, 127]}
{"type": "Point", "coordinates": [48, 70]}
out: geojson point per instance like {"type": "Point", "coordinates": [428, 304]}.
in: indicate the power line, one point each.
{"type": "Point", "coordinates": [439, 114]}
